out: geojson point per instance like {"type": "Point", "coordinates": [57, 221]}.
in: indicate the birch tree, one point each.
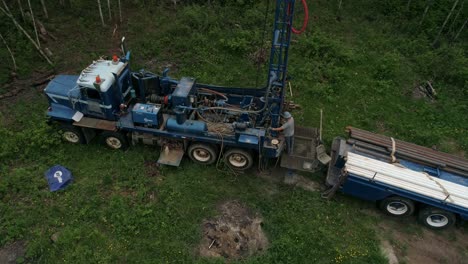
{"type": "Point", "coordinates": [44, 8]}
{"type": "Point", "coordinates": [20, 6]}
{"type": "Point", "coordinates": [100, 12]}
{"type": "Point", "coordinates": [11, 53]}
{"type": "Point", "coordinates": [445, 22]}
{"type": "Point", "coordinates": [461, 29]}
{"type": "Point", "coordinates": [428, 4]}
{"type": "Point", "coordinates": [6, 11]}
{"type": "Point", "coordinates": [120, 12]}
{"type": "Point", "coordinates": [34, 23]}
{"type": "Point", "coordinates": [109, 9]}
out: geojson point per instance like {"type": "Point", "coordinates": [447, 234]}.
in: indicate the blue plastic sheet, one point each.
{"type": "Point", "coordinates": [58, 178]}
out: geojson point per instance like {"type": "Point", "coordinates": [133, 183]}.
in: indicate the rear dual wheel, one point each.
{"type": "Point", "coordinates": [202, 153]}
{"type": "Point", "coordinates": [238, 159]}
{"type": "Point", "coordinates": [435, 218]}
{"type": "Point", "coordinates": [205, 154]}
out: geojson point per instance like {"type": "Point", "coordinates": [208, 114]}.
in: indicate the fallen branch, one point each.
{"type": "Point", "coordinates": [43, 80]}
{"type": "Point", "coordinates": [7, 12]}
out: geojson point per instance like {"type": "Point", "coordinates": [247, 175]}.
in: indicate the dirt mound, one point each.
{"type": "Point", "coordinates": [235, 234]}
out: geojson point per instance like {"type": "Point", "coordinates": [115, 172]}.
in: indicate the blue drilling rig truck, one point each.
{"type": "Point", "coordinates": [206, 122]}
{"type": "Point", "coordinates": [211, 123]}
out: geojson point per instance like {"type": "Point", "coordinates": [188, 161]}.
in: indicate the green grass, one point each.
{"type": "Point", "coordinates": [360, 70]}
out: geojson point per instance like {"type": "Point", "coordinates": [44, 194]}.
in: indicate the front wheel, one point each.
{"type": "Point", "coordinates": [436, 218]}
{"type": "Point", "coordinates": [114, 140]}
{"type": "Point", "coordinates": [397, 206]}
{"type": "Point", "coordinates": [238, 159]}
{"type": "Point", "coordinates": [73, 135]}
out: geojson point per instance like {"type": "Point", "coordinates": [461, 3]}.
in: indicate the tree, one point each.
{"type": "Point", "coordinates": [11, 53]}
{"type": "Point", "coordinates": [6, 11]}
{"type": "Point", "coordinates": [34, 23]}
{"type": "Point", "coordinates": [100, 12]}
{"type": "Point", "coordinates": [46, 14]}
{"type": "Point", "coordinates": [445, 22]}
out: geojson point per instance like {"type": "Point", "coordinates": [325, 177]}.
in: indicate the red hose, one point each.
{"type": "Point", "coordinates": [306, 19]}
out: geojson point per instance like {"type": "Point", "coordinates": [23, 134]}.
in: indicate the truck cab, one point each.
{"type": "Point", "coordinates": [97, 92]}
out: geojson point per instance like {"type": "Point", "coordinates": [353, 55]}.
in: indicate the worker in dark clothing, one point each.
{"type": "Point", "coordinates": [288, 131]}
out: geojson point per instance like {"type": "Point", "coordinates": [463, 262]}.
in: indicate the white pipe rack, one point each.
{"type": "Point", "coordinates": [407, 179]}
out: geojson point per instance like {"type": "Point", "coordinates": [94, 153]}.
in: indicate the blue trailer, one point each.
{"type": "Point", "coordinates": [401, 177]}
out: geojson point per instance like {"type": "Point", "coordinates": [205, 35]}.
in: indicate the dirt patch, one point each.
{"type": "Point", "coordinates": [279, 175]}
{"type": "Point", "coordinates": [235, 234]}
{"type": "Point", "coordinates": [414, 245]}
{"type": "Point", "coordinates": [152, 168]}
{"type": "Point", "coordinates": [13, 252]}
{"type": "Point", "coordinates": [302, 182]}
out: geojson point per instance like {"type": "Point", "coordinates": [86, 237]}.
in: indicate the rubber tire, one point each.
{"type": "Point", "coordinates": [247, 155]}
{"type": "Point", "coordinates": [397, 199]}
{"type": "Point", "coordinates": [116, 135]}
{"type": "Point", "coordinates": [208, 148]}
{"type": "Point", "coordinates": [426, 212]}
{"type": "Point", "coordinates": [76, 131]}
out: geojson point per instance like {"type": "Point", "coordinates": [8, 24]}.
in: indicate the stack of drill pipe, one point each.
{"type": "Point", "coordinates": [407, 179]}
{"type": "Point", "coordinates": [380, 144]}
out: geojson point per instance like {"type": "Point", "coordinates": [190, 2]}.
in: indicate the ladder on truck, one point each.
{"type": "Point", "coordinates": [279, 54]}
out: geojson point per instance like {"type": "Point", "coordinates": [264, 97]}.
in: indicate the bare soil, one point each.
{"type": "Point", "coordinates": [12, 253]}
{"type": "Point", "coordinates": [405, 243]}
{"type": "Point", "coordinates": [235, 234]}
{"type": "Point", "coordinates": [280, 175]}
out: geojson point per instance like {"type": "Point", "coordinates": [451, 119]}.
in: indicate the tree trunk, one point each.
{"type": "Point", "coordinates": [100, 12]}
{"type": "Point", "coordinates": [7, 12]}
{"type": "Point", "coordinates": [461, 29]}
{"type": "Point", "coordinates": [21, 10]}
{"type": "Point", "coordinates": [11, 53]}
{"type": "Point", "coordinates": [425, 11]}
{"type": "Point", "coordinates": [34, 23]}
{"type": "Point", "coordinates": [445, 22]}
{"type": "Point", "coordinates": [120, 12]}
{"type": "Point", "coordinates": [456, 16]}
{"type": "Point", "coordinates": [109, 9]}
{"type": "Point", "coordinates": [408, 5]}
{"type": "Point", "coordinates": [44, 8]}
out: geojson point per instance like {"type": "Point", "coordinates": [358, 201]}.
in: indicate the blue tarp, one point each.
{"type": "Point", "coordinates": [58, 178]}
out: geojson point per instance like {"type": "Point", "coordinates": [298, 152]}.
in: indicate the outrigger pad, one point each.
{"type": "Point", "coordinates": [171, 157]}
{"type": "Point", "coordinates": [58, 178]}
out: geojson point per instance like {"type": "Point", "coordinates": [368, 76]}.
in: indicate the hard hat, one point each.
{"type": "Point", "coordinates": [287, 115]}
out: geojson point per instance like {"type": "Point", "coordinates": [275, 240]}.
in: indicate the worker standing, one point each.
{"type": "Point", "coordinates": [288, 131]}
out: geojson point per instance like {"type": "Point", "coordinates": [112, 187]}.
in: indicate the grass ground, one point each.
{"type": "Point", "coordinates": [360, 69]}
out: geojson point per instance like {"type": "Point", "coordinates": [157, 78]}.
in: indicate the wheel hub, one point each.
{"type": "Point", "coordinates": [71, 137]}
{"type": "Point", "coordinates": [201, 155]}
{"type": "Point", "coordinates": [437, 220]}
{"type": "Point", "coordinates": [397, 208]}
{"type": "Point", "coordinates": [237, 160]}
{"type": "Point", "coordinates": [113, 142]}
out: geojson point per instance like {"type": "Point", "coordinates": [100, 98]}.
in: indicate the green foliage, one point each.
{"type": "Point", "coordinates": [361, 70]}
{"type": "Point", "coordinates": [38, 138]}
